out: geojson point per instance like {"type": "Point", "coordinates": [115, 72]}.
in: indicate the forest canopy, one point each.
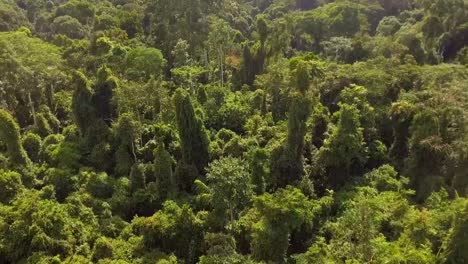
{"type": "Point", "coordinates": [234, 131]}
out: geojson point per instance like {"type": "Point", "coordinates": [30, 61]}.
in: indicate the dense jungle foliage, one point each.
{"type": "Point", "coordinates": [234, 131]}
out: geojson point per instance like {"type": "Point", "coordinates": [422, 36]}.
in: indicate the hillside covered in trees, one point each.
{"type": "Point", "coordinates": [234, 131]}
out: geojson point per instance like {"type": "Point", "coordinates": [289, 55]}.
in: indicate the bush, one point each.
{"type": "Point", "coordinates": [10, 185]}
{"type": "Point", "coordinates": [32, 143]}
{"type": "Point", "coordinates": [100, 185]}
{"type": "Point", "coordinates": [102, 249]}
{"type": "Point", "coordinates": [63, 181]}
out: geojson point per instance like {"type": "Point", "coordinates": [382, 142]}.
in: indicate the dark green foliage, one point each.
{"type": "Point", "coordinates": [185, 174]}
{"type": "Point", "coordinates": [11, 17]}
{"type": "Point", "coordinates": [105, 87]}
{"type": "Point", "coordinates": [287, 160]}
{"type": "Point", "coordinates": [81, 10]}
{"type": "Point", "coordinates": [100, 185]}
{"type": "Point", "coordinates": [69, 26]}
{"type": "Point", "coordinates": [137, 177]}
{"type": "Point", "coordinates": [10, 184]}
{"type": "Point", "coordinates": [64, 182]}
{"type": "Point", "coordinates": [320, 119]}
{"type": "Point", "coordinates": [457, 242]}
{"type": "Point", "coordinates": [193, 138]}
{"type": "Point", "coordinates": [253, 61]}
{"type": "Point", "coordinates": [32, 144]}
{"type": "Point", "coordinates": [9, 134]}
{"type": "Point", "coordinates": [126, 131]}
{"type": "Point", "coordinates": [83, 110]}
{"type": "Point", "coordinates": [166, 183]}
{"type": "Point", "coordinates": [426, 147]}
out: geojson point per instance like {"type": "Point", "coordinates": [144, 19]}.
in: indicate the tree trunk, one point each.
{"type": "Point", "coordinates": [33, 110]}
{"type": "Point", "coordinates": [221, 65]}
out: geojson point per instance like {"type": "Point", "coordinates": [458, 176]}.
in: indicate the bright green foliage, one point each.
{"type": "Point", "coordinates": [358, 96]}
{"type": "Point", "coordinates": [344, 150]}
{"type": "Point", "coordinates": [9, 134]}
{"type": "Point", "coordinates": [43, 225]}
{"type": "Point", "coordinates": [222, 249]}
{"type": "Point", "coordinates": [287, 160]}
{"type": "Point", "coordinates": [367, 227]}
{"type": "Point", "coordinates": [11, 17]}
{"type": "Point", "coordinates": [193, 138]}
{"type": "Point", "coordinates": [142, 63]}
{"type": "Point", "coordinates": [171, 227]}
{"type": "Point", "coordinates": [302, 78]}
{"type": "Point", "coordinates": [388, 26]}
{"type": "Point", "coordinates": [279, 214]}
{"type": "Point", "coordinates": [457, 242]}
{"type": "Point", "coordinates": [276, 83]}
{"type": "Point", "coordinates": [43, 128]}
{"type": "Point", "coordinates": [102, 249]}
{"type": "Point", "coordinates": [233, 131]}
{"type": "Point", "coordinates": [386, 178]}
{"type": "Point", "coordinates": [259, 166]}
{"type": "Point", "coordinates": [29, 66]}
{"type": "Point", "coordinates": [231, 188]}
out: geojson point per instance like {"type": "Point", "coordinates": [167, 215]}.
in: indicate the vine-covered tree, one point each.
{"type": "Point", "coordinates": [344, 151]}
{"type": "Point", "coordinates": [193, 137]}
{"type": "Point", "coordinates": [233, 131]}
{"type": "Point", "coordinates": [10, 136]}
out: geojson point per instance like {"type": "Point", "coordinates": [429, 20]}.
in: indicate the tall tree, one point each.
{"type": "Point", "coordinates": [229, 180]}
{"type": "Point", "coordinates": [104, 90]}
{"type": "Point", "coordinates": [287, 160]}
{"type": "Point", "coordinates": [126, 132]}
{"type": "Point", "coordinates": [193, 137]}
{"type": "Point", "coordinates": [165, 179]}
{"type": "Point", "coordinates": [10, 135]}
{"type": "Point", "coordinates": [344, 152]}
{"type": "Point", "coordinates": [221, 40]}
{"type": "Point", "coordinates": [83, 109]}
{"type": "Point", "coordinates": [457, 242]}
